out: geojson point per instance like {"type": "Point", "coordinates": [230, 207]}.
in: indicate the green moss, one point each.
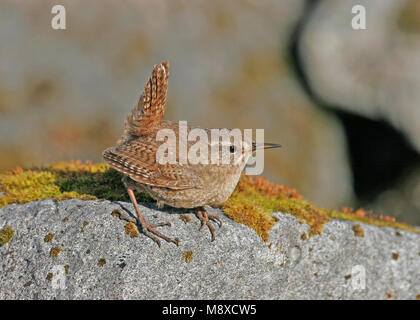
{"type": "Point", "coordinates": [249, 211]}
{"type": "Point", "coordinates": [369, 218]}
{"type": "Point", "coordinates": [62, 181]}
{"type": "Point", "coordinates": [102, 185]}
{"type": "Point", "coordinates": [24, 186]}
{"type": "Point", "coordinates": [6, 234]}
{"type": "Point", "coordinates": [358, 231]}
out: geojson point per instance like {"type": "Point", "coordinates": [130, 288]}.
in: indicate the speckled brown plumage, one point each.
{"type": "Point", "coordinates": [177, 185]}
{"type": "Point", "coordinates": [151, 106]}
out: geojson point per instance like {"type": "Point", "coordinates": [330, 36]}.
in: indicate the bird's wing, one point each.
{"type": "Point", "coordinates": [137, 159]}
{"type": "Point", "coordinates": [151, 106]}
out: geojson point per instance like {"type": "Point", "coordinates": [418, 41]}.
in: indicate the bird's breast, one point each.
{"type": "Point", "coordinates": [216, 187]}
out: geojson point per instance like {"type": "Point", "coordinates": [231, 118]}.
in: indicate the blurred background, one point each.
{"type": "Point", "coordinates": [344, 103]}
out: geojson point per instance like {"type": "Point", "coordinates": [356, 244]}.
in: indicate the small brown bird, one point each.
{"type": "Point", "coordinates": [177, 184]}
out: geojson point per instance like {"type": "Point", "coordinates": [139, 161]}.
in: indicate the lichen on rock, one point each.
{"type": "Point", "coordinates": [6, 234]}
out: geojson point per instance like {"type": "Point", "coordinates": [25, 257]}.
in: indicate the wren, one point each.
{"type": "Point", "coordinates": [179, 185]}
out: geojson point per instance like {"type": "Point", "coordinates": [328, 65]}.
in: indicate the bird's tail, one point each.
{"type": "Point", "coordinates": [151, 106]}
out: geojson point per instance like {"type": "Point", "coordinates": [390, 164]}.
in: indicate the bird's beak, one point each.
{"type": "Point", "coordinates": [258, 146]}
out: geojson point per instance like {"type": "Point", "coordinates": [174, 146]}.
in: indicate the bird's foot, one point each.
{"type": "Point", "coordinates": [205, 217]}
{"type": "Point", "coordinates": [149, 228]}
{"type": "Point", "coordinates": [150, 231]}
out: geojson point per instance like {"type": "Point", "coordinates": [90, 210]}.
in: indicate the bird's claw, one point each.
{"type": "Point", "coordinates": [150, 231]}
{"type": "Point", "coordinates": [205, 220]}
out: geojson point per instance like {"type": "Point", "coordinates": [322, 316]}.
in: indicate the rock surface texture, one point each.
{"type": "Point", "coordinates": [77, 249]}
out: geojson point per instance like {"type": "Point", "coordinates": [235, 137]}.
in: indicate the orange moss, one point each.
{"type": "Point", "coordinates": [131, 229]}
{"type": "Point", "coordinates": [55, 252]}
{"type": "Point", "coordinates": [249, 214]}
{"type": "Point", "coordinates": [267, 188]}
{"type": "Point", "coordinates": [185, 218]}
{"type": "Point", "coordinates": [115, 213]}
{"type": "Point", "coordinates": [188, 256]}
{"type": "Point", "coordinates": [367, 216]}
{"type": "Point", "coordinates": [21, 186]}
{"type": "Point", "coordinates": [255, 198]}
{"type": "Point", "coordinates": [48, 237]}
{"type": "Point", "coordinates": [358, 231]}
{"type": "Point", "coordinates": [252, 203]}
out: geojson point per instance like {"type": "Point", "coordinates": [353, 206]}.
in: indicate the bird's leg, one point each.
{"type": "Point", "coordinates": [205, 217]}
{"type": "Point", "coordinates": [147, 228]}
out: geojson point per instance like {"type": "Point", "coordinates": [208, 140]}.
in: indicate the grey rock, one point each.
{"type": "Point", "coordinates": [238, 265]}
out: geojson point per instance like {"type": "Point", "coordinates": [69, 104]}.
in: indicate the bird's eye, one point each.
{"type": "Point", "coordinates": [232, 149]}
